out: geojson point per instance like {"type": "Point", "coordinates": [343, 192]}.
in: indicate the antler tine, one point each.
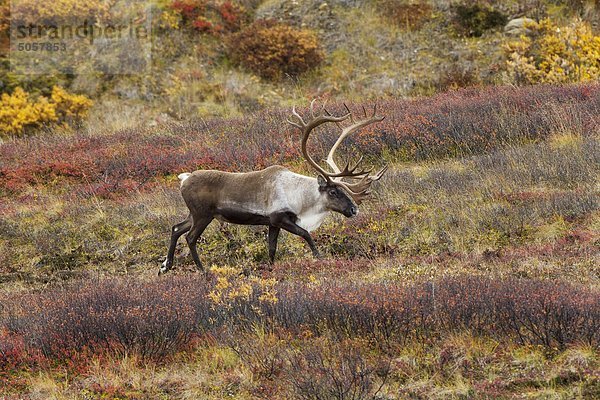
{"type": "Point", "coordinates": [347, 131]}
{"type": "Point", "coordinates": [301, 123]}
{"type": "Point", "coordinates": [350, 172]}
{"type": "Point", "coordinates": [363, 172]}
{"type": "Point", "coordinates": [361, 189]}
{"type": "Point", "coordinates": [358, 162]}
{"type": "Point", "coordinates": [294, 124]}
{"type": "Point", "coordinates": [379, 174]}
{"type": "Point", "coordinates": [374, 115]}
{"type": "Point", "coordinates": [339, 125]}
{"type": "Point", "coordinates": [312, 108]}
{"type": "Point", "coordinates": [358, 192]}
{"type": "Point", "coordinates": [349, 112]}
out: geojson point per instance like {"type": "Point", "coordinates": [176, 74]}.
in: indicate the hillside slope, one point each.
{"type": "Point", "coordinates": [472, 273]}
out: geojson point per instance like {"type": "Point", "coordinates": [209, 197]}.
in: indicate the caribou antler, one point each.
{"type": "Point", "coordinates": [360, 189]}
{"type": "Point", "coordinates": [307, 127]}
{"type": "Point", "coordinates": [356, 125]}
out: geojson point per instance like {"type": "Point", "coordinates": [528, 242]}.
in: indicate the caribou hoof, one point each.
{"type": "Point", "coordinates": [164, 268]}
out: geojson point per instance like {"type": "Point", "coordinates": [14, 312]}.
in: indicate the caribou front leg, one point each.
{"type": "Point", "coordinates": [273, 235]}
{"type": "Point", "coordinates": [286, 221]}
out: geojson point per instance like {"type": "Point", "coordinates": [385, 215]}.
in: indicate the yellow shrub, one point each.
{"type": "Point", "coordinates": [552, 54]}
{"type": "Point", "coordinates": [19, 113]}
{"type": "Point", "coordinates": [39, 12]}
{"type": "Point", "coordinates": [231, 287]}
{"type": "Point", "coordinates": [69, 106]}
{"type": "Point", "coordinates": [169, 19]}
{"type": "Point", "coordinates": [4, 16]}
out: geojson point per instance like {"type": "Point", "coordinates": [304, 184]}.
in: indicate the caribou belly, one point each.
{"type": "Point", "coordinates": [241, 217]}
{"type": "Point", "coordinates": [311, 221]}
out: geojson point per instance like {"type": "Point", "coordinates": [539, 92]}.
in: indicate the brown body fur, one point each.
{"type": "Point", "coordinates": [274, 196]}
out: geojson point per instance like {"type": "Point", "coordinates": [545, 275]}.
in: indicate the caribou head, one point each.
{"type": "Point", "coordinates": [359, 180]}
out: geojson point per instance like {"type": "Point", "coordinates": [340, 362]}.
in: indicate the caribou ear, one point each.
{"type": "Point", "coordinates": [322, 182]}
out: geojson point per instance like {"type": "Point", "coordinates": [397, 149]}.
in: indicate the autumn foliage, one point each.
{"type": "Point", "coordinates": [157, 319]}
{"type": "Point", "coordinates": [20, 113]}
{"type": "Point", "coordinates": [408, 15]}
{"type": "Point", "coordinates": [273, 50]}
{"type": "Point", "coordinates": [553, 54]}
{"type": "Point", "coordinates": [36, 12]}
{"type": "Point", "coordinates": [205, 16]}
{"type": "Point", "coordinates": [448, 125]}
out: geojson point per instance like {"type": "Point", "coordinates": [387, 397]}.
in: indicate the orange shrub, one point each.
{"type": "Point", "coordinates": [38, 12]}
{"type": "Point", "coordinates": [410, 15]}
{"type": "Point", "coordinates": [271, 49]}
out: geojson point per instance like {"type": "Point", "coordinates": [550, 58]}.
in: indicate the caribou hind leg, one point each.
{"type": "Point", "coordinates": [176, 232]}
{"type": "Point", "coordinates": [198, 226]}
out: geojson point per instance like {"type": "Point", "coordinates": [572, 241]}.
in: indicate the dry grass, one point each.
{"type": "Point", "coordinates": [452, 282]}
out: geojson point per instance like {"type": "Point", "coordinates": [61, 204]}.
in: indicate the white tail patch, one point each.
{"type": "Point", "coordinates": [183, 177]}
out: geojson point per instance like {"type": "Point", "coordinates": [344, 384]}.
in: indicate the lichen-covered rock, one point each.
{"type": "Point", "coordinates": [518, 26]}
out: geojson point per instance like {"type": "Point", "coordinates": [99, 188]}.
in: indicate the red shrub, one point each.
{"type": "Point", "coordinates": [452, 124]}
{"type": "Point", "coordinates": [156, 319]}
{"type": "Point", "coordinates": [233, 16]}
{"type": "Point", "coordinates": [212, 17]}
{"type": "Point", "coordinates": [530, 311]}
{"type": "Point", "coordinates": [190, 9]}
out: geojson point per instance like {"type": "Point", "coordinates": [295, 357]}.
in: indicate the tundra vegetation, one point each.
{"type": "Point", "coordinates": [471, 272]}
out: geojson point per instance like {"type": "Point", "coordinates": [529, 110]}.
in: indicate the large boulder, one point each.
{"type": "Point", "coordinates": [518, 26]}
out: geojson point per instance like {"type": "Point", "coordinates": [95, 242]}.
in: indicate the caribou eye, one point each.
{"type": "Point", "coordinates": [333, 193]}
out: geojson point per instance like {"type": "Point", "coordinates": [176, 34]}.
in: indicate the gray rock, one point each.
{"type": "Point", "coordinates": [517, 26]}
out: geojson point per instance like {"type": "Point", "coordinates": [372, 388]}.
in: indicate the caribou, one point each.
{"type": "Point", "coordinates": [275, 196]}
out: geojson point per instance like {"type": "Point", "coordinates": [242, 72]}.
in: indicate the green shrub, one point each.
{"type": "Point", "coordinates": [272, 50]}
{"type": "Point", "coordinates": [474, 20]}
